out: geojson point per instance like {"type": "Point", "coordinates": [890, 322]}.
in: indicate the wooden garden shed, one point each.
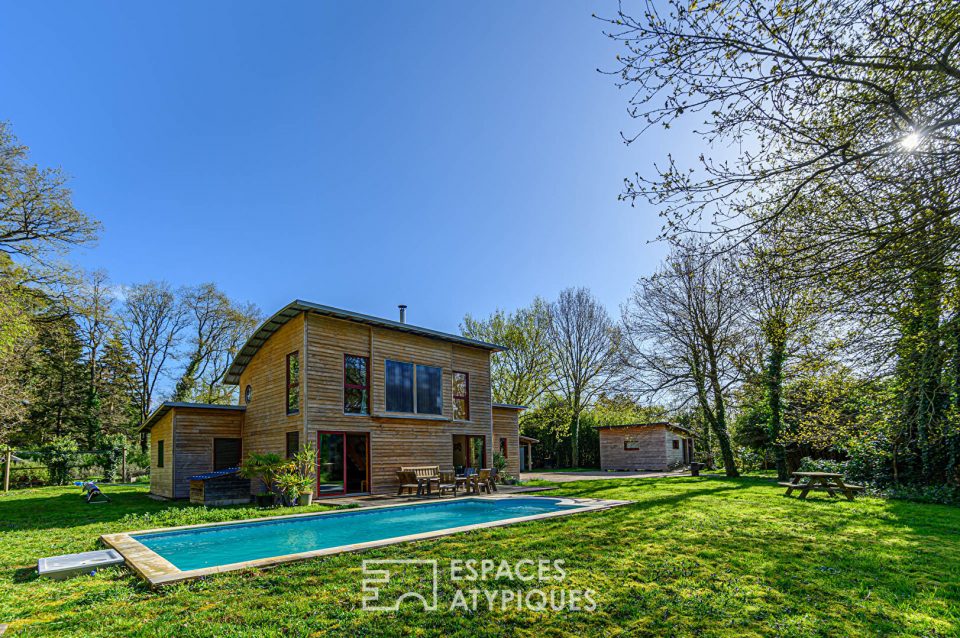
{"type": "Point", "coordinates": [187, 439]}
{"type": "Point", "coordinates": [645, 446]}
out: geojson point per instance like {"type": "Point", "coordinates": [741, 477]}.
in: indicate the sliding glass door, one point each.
{"type": "Point", "coordinates": [331, 472]}
{"type": "Point", "coordinates": [343, 460]}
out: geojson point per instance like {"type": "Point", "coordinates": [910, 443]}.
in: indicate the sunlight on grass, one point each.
{"type": "Point", "coordinates": [713, 556]}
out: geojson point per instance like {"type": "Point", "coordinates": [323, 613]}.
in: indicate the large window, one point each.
{"type": "Point", "coordinates": [293, 383]}
{"type": "Point", "coordinates": [429, 390]}
{"type": "Point", "coordinates": [413, 388]}
{"type": "Point", "coordinates": [399, 383]}
{"type": "Point", "coordinates": [461, 396]}
{"type": "Point", "coordinates": [356, 384]}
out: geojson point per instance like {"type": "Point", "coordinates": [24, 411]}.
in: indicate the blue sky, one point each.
{"type": "Point", "coordinates": [456, 157]}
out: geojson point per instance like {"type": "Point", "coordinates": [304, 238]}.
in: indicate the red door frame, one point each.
{"type": "Point", "coordinates": [343, 453]}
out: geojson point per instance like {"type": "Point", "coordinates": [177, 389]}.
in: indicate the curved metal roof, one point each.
{"type": "Point", "coordinates": [294, 308]}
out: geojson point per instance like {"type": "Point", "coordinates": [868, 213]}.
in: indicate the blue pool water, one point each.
{"type": "Point", "coordinates": [225, 544]}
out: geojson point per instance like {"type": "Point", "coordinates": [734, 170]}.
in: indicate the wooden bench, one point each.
{"type": "Point", "coordinates": [425, 476]}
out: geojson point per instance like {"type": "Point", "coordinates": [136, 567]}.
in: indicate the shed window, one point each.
{"type": "Point", "coordinates": [293, 443]}
{"type": "Point", "coordinates": [293, 383]}
{"type": "Point", "coordinates": [503, 447]}
{"type": "Point", "coordinates": [676, 444]}
{"type": "Point", "coordinates": [631, 443]}
{"type": "Point", "coordinates": [356, 384]}
{"type": "Point", "coordinates": [461, 396]}
{"type": "Point", "coordinates": [160, 453]}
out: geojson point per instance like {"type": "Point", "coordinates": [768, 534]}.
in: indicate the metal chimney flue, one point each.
{"type": "Point", "coordinates": [403, 312]}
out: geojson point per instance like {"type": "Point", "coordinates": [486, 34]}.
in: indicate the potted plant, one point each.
{"type": "Point", "coordinates": [499, 464]}
{"type": "Point", "coordinates": [265, 468]}
{"type": "Point", "coordinates": [305, 461]}
{"type": "Point", "coordinates": [295, 477]}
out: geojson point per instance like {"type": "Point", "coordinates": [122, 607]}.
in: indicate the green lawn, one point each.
{"type": "Point", "coordinates": [707, 556]}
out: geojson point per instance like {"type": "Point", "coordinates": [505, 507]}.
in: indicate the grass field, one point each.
{"type": "Point", "coordinates": [707, 556]}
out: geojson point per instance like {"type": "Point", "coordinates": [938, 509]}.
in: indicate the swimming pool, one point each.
{"type": "Point", "coordinates": [163, 556]}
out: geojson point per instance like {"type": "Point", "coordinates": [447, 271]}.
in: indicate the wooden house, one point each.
{"type": "Point", "coordinates": [371, 394]}
{"type": "Point", "coordinates": [644, 446]}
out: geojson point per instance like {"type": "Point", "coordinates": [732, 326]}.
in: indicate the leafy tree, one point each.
{"type": "Point", "coordinates": [37, 215]}
{"type": "Point", "coordinates": [521, 374]}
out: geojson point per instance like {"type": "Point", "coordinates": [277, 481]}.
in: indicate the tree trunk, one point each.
{"type": "Point", "coordinates": [775, 402]}
{"type": "Point", "coordinates": [575, 443]}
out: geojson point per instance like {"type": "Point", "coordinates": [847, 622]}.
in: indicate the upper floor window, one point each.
{"type": "Point", "coordinates": [356, 384]}
{"type": "Point", "coordinates": [413, 388]}
{"type": "Point", "coordinates": [399, 386]}
{"type": "Point", "coordinates": [429, 390]}
{"type": "Point", "coordinates": [293, 383]}
{"type": "Point", "coordinates": [461, 396]}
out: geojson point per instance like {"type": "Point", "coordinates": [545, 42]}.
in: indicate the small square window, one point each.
{"type": "Point", "coordinates": [676, 444]}
{"type": "Point", "coordinates": [293, 443]}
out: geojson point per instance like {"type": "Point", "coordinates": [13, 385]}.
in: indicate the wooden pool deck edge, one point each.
{"type": "Point", "coordinates": [158, 571]}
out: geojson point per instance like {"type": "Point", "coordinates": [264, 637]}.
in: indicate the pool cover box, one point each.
{"type": "Point", "coordinates": [67, 565]}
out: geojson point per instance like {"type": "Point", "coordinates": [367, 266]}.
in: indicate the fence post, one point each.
{"type": "Point", "coordinates": [123, 471]}
{"type": "Point", "coordinates": [8, 459]}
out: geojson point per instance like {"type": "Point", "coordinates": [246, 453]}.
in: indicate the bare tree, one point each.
{"type": "Point", "coordinates": [93, 306]}
{"type": "Point", "coordinates": [219, 329]}
{"type": "Point", "coordinates": [521, 374]}
{"type": "Point", "coordinates": [682, 337]}
{"type": "Point", "coordinates": [583, 342]}
{"type": "Point", "coordinates": [153, 320]}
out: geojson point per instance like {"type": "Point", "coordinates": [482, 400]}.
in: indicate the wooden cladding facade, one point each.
{"type": "Point", "coordinates": [322, 343]}
{"type": "Point", "coordinates": [395, 439]}
{"type": "Point", "coordinates": [161, 478]}
{"type": "Point", "coordinates": [646, 447]}
{"type": "Point", "coordinates": [267, 422]}
{"type": "Point", "coordinates": [188, 435]}
{"type": "Point", "coordinates": [506, 425]}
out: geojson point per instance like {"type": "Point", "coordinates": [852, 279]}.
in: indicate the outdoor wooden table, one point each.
{"type": "Point", "coordinates": [829, 482]}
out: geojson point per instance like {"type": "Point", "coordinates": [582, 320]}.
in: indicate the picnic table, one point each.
{"type": "Point", "coordinates": [829, 482]}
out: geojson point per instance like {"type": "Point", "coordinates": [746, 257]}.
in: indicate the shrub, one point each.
{"type": "Point", "coordinates": [499, 463]}
{"type": "Point", "coordinates": [27, 474]}
{"type": "Point", "coordinates": [60, 456]}
{"type": "Point", "coordinates": [808, 464]}
{"type": "Point", "coordinates": [942, 494]}
{"type": "Point", "coordinates": [111, 459]}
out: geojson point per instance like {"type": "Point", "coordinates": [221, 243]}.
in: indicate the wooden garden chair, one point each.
{"type": "Point", "coordinates": [448, 483]}
{"type": "Point", "coordinates": [408, 481]}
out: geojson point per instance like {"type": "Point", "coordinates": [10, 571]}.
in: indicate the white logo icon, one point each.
{"type": "Point", "coordinates": [376, 574]}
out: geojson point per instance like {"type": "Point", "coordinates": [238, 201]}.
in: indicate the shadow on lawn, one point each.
{"type": "Point", "coordinates": [70, 510]}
